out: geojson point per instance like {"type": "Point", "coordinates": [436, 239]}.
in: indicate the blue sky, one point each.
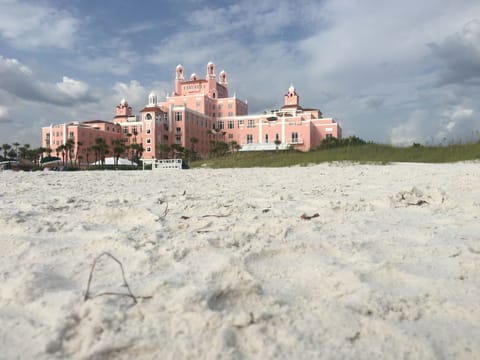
{"type": "Point", "coordinates": [388, 71]}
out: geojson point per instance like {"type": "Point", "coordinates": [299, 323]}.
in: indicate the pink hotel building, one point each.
{"type": "Point", "coordinates": [201, 109]}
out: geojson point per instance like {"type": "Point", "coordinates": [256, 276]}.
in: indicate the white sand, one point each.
{"type": "Point", "coordinates": [389, 269]}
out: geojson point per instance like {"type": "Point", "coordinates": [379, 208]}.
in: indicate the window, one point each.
{"type": "Point", "coordinates": [249, 138]}
{"type": "Point", "coordinates": [251, 124]}
{"type": "Point", "coordinates": [178, 116]}
{"type": "Point", "coordinates": [149, 149]}
{"type": "Point", "coordinates": [149, 141]}
{"type": "Point", "coordinates": [230, 105]}
{"type": "Point", "coordinates": [329, 136]}
{"type": "Point", "coordinates": [179, 130]}
{"type": "Point", "coordinates": [277, 138]}
{"type": "Point", "coordinates": [219, 106]}
{"type": "Point", "coordinates": [134, 130]}
{"type": "Point", "coordinates": [220, 114]}
{"type": "Point", "coordinates": [178, 140]}
{"type": "Point", "coordinates": [148, 131]}
{"type": "Point", "coordinates": [125, 130]}
{"type": "Point", "coordinates": [198, 103]}
{"type": "Point", "coordinates": [221, 125]}
{"type": "Point", "coordinates": [165, 117]}
{"type": "Point", "coordinates": [294, 137]}
{"type": "Point", "coordinates": [230, 113]}
{"type": "Point", "coordinates": [230, 124]}
{"type": "Point", "coordinates": [266, 138]}
{"type": "Point", "coordinates": [148, 117]}
{"type": "Point", "coordinates": [240, 123]}
{"type": "Point", "coordinates": [70, 134]}
{"type": "Point", "coordinates": [230, 136]}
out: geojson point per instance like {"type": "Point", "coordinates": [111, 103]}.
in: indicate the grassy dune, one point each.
{"type": "Point", "coordinates": [366, 153]}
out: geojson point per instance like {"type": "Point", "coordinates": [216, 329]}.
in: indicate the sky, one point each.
{"type": "Point", "coordinates": [393, 72]}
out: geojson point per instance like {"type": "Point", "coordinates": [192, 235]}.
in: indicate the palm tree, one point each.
{"type": "Point", "coordinates": [118, 149]}
{"type": "Point", "coordinates": [77, 157]}
{"type": "Point", "coordinates": [137, 151]}
{"type": "Point", "coordinates": [61, 149]}
{"type": "Point", "coordinates": [87, 153]}
{"type": "Point", "coordinates": [164, 150]}
{"type": "Point", "coordinates": [234, 147]}
{"type": "Point", "coordinates": [16, 144]}
{"type": "Point", "coordinates": [6, 148]}
{"type": "Point", "coordinates": [23, 151]}
{"type": "Point", "coordinates": [69, 147]}
{"type": "Point", "coordinates": [193, 141]}
{"type": "Point", "coordinates": [39, 153]}
{"type": "Point", "coordinates": [12, 154]}
{"type": "Point", "coordinates": [102, 148]}
{"type": "Point", "coordinates": [177, 149]}
{"type": "Point", "coordinates": [96, 151]}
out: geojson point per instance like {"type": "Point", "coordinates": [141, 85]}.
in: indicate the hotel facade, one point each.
{"type": "Point", "coordinates": [198, 113]}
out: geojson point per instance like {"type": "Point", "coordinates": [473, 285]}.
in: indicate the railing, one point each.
{"type": "Point", "coordinates": [163, 163]}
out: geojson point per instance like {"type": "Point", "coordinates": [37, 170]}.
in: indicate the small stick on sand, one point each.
{"type": "Point", "coordinates": [306, 217]}
{"type": "Point", "coordinates": [130, 294]}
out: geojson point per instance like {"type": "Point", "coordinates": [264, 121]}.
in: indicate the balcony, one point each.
{"type": "Point", "coordinates": [295, 142]}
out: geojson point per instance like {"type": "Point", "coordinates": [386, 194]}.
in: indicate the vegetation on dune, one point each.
{"type": "Point", "coordinates": [351, 149]}
{"type": "Point", "coordinates": [227, 155]}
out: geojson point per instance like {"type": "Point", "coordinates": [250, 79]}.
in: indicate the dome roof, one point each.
{"type": "Point", "coordinates": [291, 88]}
{"type": "Point", "coordinates": [123, 102]}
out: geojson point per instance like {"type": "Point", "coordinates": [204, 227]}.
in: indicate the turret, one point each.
{"type": "Point", "coordinates": [291, 98]}
{"type": "Point", "coordinates": [179, 78]}
{"type": "Point", "coordinates": [152, 99]}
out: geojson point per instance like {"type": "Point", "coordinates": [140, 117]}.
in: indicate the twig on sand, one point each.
{"type": "Point", "coordinates": [418, 203]}
{"type": "Point", "coordinates": [306, 217]}
{"type": "Point", "coordinates": [130, 294]}
{"type": "Point", "coordinates": [214, 215]}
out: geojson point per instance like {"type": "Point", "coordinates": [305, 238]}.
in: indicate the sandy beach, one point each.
{"type": "Point", "coordinates": [318, 262]}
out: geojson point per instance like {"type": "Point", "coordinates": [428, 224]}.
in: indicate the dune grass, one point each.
{"type": "Point", "coordinates": [367, 153]}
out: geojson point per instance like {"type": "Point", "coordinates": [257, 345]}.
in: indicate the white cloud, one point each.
{"type": "Point", "coordinates": [458, 113]}
{"type": "Point", "coordinates": [133, 92]}
{"type": "Point", "coordinates": [72, 88]}
{"type": "Point", "coordinates": [3, 111]}
{"type": "Point", "coordinates": [453, 124]}
{"type": "Point", "coordinates": [32, 25]}
{"type": "Point", "coordinates": [20, 81]}
{"type": "Point", "coordinates": [412, 130]}
{"type": "Point", "coordinates": [4, 115]}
